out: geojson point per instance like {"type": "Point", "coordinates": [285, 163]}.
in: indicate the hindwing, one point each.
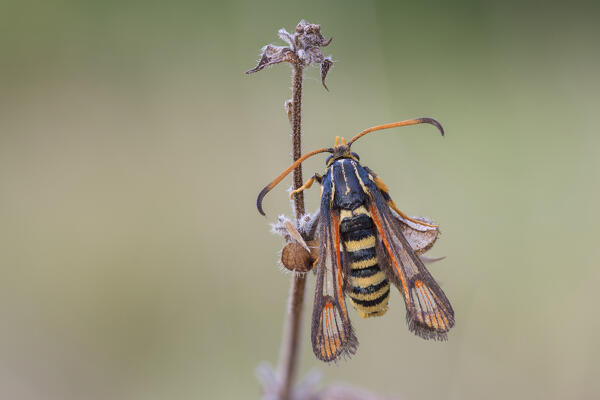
{"type": "Point", "coordinates": [332, 335]}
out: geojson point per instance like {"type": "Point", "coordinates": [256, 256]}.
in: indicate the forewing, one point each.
{"type": "Point", "coordinates": [332, 335]}
{"type": "Point", "coordinates": [429, 313]}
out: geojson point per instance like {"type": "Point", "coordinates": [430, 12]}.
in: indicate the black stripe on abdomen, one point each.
{"type": "Point", "coordinates": [376, 301]}
{"type": "Point", "coordinates": [369, 288]}
{"type": "Point", "coordinates": [361, 254]}
{"type": "Point", "coordinates": [364, 272]}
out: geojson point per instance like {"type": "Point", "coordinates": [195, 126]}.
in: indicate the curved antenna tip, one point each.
{"type": "Point", "coordinates": [434, 123]}
{"type": "Point", "coordinates": [259, 200]}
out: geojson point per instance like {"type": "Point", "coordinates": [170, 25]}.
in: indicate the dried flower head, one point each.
{"type": "Point", "coordinates": [300, 252]}
{"type": "Point", "coordinates": [303, 49]}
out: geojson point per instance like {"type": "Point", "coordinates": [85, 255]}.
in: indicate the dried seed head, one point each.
{"type": "Point", "coordinates": [295, 258]}
{"type": "Point", "coordinates": [301, 249]}
{"type": "Point", "coordinates": [303, 49]}
{"type": "Point", "coordinates": [309, 35]}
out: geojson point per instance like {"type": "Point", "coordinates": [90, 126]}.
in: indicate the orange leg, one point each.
{"type": "Point", "coordinates": [306, 185]}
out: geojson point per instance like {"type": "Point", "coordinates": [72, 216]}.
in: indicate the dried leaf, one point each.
{"type": "Point", "coordinates": [325, 65]}
{"type": "Point", "coordinates": [326, 43]}
{"type": "Point", "coordinates": [272, 55]}
{"type": "Point", "coordinates": [295, 235]}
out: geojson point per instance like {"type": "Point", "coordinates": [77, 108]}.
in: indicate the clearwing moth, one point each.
{"type": "Point", "coordinates": [365, 244]}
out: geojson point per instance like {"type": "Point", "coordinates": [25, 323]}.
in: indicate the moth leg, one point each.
{"type": "Point", "coordinates": [383, 188]}
{"type": "Point", "coordinates": [307, 184]}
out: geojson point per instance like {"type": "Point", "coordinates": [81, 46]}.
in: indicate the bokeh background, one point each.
{"type": "Point", "coordinates": [132, 147]}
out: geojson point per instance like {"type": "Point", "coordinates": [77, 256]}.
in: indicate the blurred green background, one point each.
{"type": "Point", "coordinates": [132, 147]}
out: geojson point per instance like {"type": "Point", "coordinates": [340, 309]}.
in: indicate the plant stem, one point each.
{"type": "Point", "coordinates": [297, 135]}
{"type": "Point", "coordinates": [290, 343]}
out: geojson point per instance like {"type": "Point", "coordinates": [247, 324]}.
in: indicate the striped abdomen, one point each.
{"type": "Point", "coordinates": [369, 290]}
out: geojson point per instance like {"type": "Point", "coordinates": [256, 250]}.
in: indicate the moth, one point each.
{"type": "Point", "coordinates": [367, 244]}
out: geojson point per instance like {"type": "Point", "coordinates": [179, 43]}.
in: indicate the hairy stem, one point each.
{"type": "Point", "coordinates": [297, 136]}
{"type": "Point", "coordinates": [290, 343]}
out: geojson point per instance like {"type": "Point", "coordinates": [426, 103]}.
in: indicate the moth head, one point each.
{"type": "Point", "coordinates": [340, 150]}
